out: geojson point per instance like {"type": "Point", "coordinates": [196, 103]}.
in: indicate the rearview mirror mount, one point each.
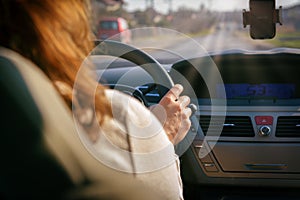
{"type": "Point", "coordinates": [262, 18]}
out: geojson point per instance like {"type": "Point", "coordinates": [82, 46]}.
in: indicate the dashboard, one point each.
{"type": "Point", "coordinates": [249, 119]}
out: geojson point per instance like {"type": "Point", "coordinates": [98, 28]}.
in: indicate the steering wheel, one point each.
{"type": "Point", "coordinates": [160, 76]}
{"type": "Point", "coordinates": [148, 63]}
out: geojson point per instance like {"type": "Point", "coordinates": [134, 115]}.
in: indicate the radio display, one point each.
{"type": "Point", "coordinates": [257, 91]}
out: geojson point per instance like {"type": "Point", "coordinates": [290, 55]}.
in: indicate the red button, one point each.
{"type": "Point", "coordinates": [264, 120]}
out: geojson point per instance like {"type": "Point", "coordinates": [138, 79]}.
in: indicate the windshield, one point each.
{"type": "Point", "coordinates": [211, 25]}
{"type": "Point", "coordinates": [109, 25]}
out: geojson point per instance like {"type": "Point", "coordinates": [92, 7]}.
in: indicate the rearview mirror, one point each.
{"type": "Point", "coordinates": [262, 18]}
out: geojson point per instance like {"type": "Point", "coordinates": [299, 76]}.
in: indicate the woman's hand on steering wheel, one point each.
{"type": "Point", "coordinates": [174, 114]}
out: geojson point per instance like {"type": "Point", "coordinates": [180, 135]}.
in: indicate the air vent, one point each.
{"type": "Point", "coordinates": [234, 126]}
{"type": "Point", "coordinates": [288, 126]}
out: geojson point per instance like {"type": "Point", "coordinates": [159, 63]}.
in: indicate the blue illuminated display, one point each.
{"type": "Point", "coordinates": [268, 90]}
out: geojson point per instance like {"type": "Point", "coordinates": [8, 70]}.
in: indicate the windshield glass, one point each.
{"type": "Point", "coordinates": [211, 25]}
{"type": "Point", "coordinates": [109, 25]}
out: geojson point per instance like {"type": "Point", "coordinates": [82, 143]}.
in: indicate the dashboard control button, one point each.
{"type": "Point", "coordinates": [206, 159]}
{"type": "Point", "coordinates": [210, 167]}
{"type": "Point", "coordinates": [203, 155]}
{"type": "Point", "coordinates": [264, 130]}
{"type": "Point", "coordinates": [263, 120]}
{"type": "Point", "coordinates": [202, 152]}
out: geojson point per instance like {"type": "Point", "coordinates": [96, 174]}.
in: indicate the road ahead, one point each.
{"type": "Point", "coordinates": [223, 37]}
{"type": "Point", "coordinates": [230, 36]}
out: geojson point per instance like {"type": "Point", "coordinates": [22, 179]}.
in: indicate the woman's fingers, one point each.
{"type": "Point", "coordinates": [174, 114]}
{"type": "Point", "coordinates": [175, 92]}
{"type": "Point", "coordinates": [184, 101]}
{"type": "Point", "coordinates": [187, 113]}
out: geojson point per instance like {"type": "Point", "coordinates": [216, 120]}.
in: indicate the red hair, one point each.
{"type": "Point", "coordinates": [56, 36]}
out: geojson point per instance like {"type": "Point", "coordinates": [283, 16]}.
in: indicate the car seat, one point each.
{"type": "Point", "coordinates": [40, 151]}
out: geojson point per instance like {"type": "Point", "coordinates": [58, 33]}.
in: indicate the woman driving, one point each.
{"type": "Point", "coordinates": [118, 130]}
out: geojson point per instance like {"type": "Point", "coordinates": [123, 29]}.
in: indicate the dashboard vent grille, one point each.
{"type": "Point", "coordinates": [288, 126]}
{"type": "Point", "coordinates": [234, 126]}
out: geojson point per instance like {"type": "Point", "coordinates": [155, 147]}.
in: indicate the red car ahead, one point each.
{"type": "Point", "coordinates": [114, 28]}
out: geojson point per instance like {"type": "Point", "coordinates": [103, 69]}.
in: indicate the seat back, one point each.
{"type": "Point", "coordinates": [41, 154]}
{"type": "Point", "coordinates": [26, 164]}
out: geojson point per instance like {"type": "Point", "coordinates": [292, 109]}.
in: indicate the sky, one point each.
{"type": "Point", "coordinates": [218, 5]}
